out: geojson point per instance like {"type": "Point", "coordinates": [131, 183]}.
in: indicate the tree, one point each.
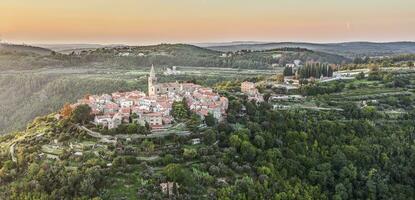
{"type": "Point", "coordinates": [189, 153]}
{"type": "Point", "coordinates": [280, 78]}
{"type": "Point", "coordinates": [210, 136]}
{"type": "Point", "coordinates": [132, 129]}
{"type": "Point", "coordinates": [210, 120]}
{"type": "Point", "coordinates": [119, 162]}
{"type": "Point", "coordinates": [148, 146]}
{"type": "Point", "coordinates": [235, 141]}
{"type": "Point", "coordinates": [66, 111]}
{"type": "Point", "coordinates": [374, 68]}
{"type": "Point", "coordinates": [360, 76]}
{"type": "Point", "coordinates": [143, 130]}
{"type": "Point", "coordinates": [180, 110]}
{"type": "Point", "coordinates": [259, 141]}
{"type": "Point", "coordinates": [248, 151]}
{"type": "Point", "coordinates": [81, 114]}
{"type": "Point", "coordinates": [288, 71]}
{"type": "Point", "coordinates": [174, 172]}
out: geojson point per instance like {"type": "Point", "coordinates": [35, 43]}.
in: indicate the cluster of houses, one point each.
{"type": "Point", "coordinates": [111, 110]}
{"type": "Point", "coordinates": [172, 71]}
{"type": "Point", "coordinates": [251, 91]}
{"type": "Point", "coordinates": [294, 64]}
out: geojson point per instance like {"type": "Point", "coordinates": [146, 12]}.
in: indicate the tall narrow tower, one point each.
{"type": "Point", "coordinates": [152, 82]}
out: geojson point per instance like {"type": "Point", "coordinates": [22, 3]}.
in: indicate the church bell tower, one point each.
{"type": "Point", "coordinates": [152, 82]}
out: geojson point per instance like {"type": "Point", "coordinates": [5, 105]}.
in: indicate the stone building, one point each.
{"type": "Point", "coordinates": [155, 88]}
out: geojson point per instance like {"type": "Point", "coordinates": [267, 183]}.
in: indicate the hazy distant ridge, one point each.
{"type": "Point", "coordinates": [349, 49]}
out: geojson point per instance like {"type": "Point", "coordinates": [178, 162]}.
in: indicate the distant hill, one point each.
{"type": "Point", "coordinates": [68, 48]}
{"type": "Point", "coordinates": [174, 49]}
{"type": "Point", "coordinates": [214, 44]}
{"type": "Point", "coordinates": [165, 55]}
{"type": "Point", "coordinates": [190, 55]}
{"type": "Point", "coordinates": [16, 48]}
{"type": "Point", "coordinates": [348, 49]}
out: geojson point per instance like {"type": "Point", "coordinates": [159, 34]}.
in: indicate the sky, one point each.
{"type": "Point", "coordinates": [192, 21]}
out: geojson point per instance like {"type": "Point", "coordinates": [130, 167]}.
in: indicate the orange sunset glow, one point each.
{"type": "Point", "coordinates": [155, 21]}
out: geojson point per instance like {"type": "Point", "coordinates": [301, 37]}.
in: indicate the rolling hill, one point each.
{"type": "Point", "coordinates": [348, 49]}
{"type": "Point", "coordinates": [23, 49]}
{"type": "Point", "coordinates": [190, 55]}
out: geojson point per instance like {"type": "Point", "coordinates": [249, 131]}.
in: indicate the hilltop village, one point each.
{"type": "Point", "coordinates": [111, 110]}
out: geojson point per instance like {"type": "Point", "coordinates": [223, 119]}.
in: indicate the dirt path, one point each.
{"type": "Point", "coordinates": [102, 138]}
{"type": "Point", "coordinates": [14, 159]}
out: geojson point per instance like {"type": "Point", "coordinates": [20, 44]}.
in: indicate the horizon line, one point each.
{"type": "Point", "coordinates": [201, 43]}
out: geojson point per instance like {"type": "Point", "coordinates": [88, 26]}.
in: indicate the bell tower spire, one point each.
{"type": "Point", "coordinates": [152, 82]}
{"type": "Point", "coordinates": [152, 73]}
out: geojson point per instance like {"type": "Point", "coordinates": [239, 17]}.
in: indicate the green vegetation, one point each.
{"type": "Point", "coordinates": [354, 148]}
{"type": "Point", "coordinates": [315, 70]}
{"type": "Point", "coordinates": [180, 110]}
{"type": "Point", "coordinates": [345, 139]}
{"type": "Point", "coordinates": [81, 114]}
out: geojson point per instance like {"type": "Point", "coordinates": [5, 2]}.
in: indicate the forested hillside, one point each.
{"type": "Point", "coordinates": [188, 55]}
{"type": "Point", "coordinates": [165, 55]}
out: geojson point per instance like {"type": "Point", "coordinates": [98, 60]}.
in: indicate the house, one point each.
{"type": "Point", "coordinates": [122, 54]}
{"type": "Point", "coordinates": [280, 107]}
{"type": "Point", "coordinates": [257, 97]}
{"type": "Point", "coordinates": [297, 63]}
{"type": "Point", "coordinates": [125, 114]}
{"type": "Point", "coordinates": [276, 56]}
{"type": "Point", "coordinates": [195, 141]}
{"type": "Point", "coordinates": [153, 119]}
{"type": "Point", "coordinates": [291, 65]}
{"type": "Point", "coordinates": [126, 103]}
{"type": "Point", "coordinates": [115, 121]}
{"type": "Point", "coordinates": [102, 120]}
{"type": "Point", "coordinates": [111, 107]}
{"type": "Point", "coordinates": [247, 87]}
{"type": "Point", "coordinates": [172, 71]}
{"type": "Point", "coordinates": [105, 98]}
